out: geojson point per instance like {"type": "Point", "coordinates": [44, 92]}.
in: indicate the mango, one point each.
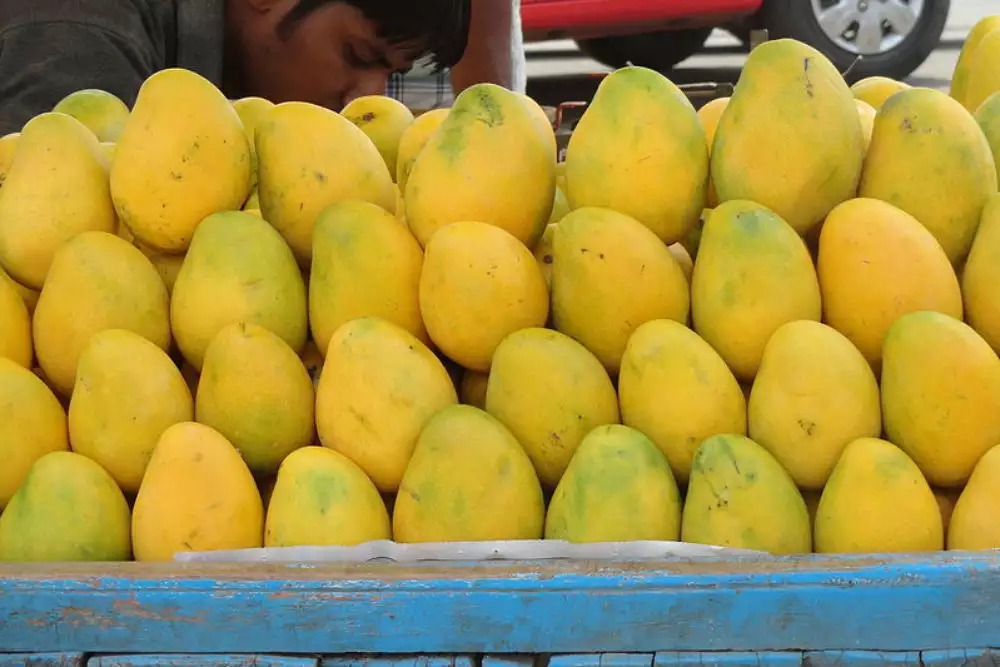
{"type": "Point", "coordinates": [15, 325]}
{"type": "Point", "coordinates": [974, 522]}
{"type": "Point", "coordinates": [929, 158]}
{"type": "Point", "coordinates": [610, 275]}
{"type": "Point", "coordinates": [980, 74]}
{"type": "Point", "coordinates": [550, 392]}
{"type": "Point", "coordinates": [197, 495]}
{"type": "Point", "coordinates": [479, 284]}
{"type": "Point", "coordinates": [472, 388]}
{"type": "Point", "coordinates": [875, 90]}
{"type": "Point", "coordinates": [103, 113]}
{"type": "Point", "coordinates": [812, 498]}
{"type": "Point", "coordinates": [322, 498]}
{"type": "Point", "coordinates": [618, 487]}
{"type": "Point", "coordinates": [167, 265]}
{"type": "Point", "coordinates": [560, 207]}
{"type": "Point", "coordinates": [127, 393]}
{"type": "Point", "coordinates": [543, 253]}
{"type": "Point", "coordinates": [940, 390]}
{"type": "Point", "coordinates": [8, 146]}
{"type": "Point", "coordinates": [542, 123]}
{"type": "Point", "coordinates": [238, 269]}
{"type": "Point", "coordinates": [365, 264]}
{"type": "Point", "coordinates": [677, 390]}
{"type": "Point", "coordinates": [988, 118]}
{"type": "Point", "coordinates": [683, 258]}
{"type": "Point", "coordinates": [468, 480]}
{"type": "Point", "coordinates": [877, 263]}
{"type": "Point", "coordinates": [876, 501]}
{"type": "Point", "coordinates": [981, 274]}
{"type": "Point", "coordinates": [108, 150]}
{"type": "Point", "coordinates": [486, 162]}
{"type": "Point", "coordinates": [709, 115]}
{"type": "Point", "coordinates": [97, 281]}
{"type": "Point", "coordinates": [790, 138]}
{"type": "Point", "coordinates": [640, 149]}
{"type": "Point", "coordinates": [56, 188]}
{"type": "Point", "coordinates": [963, 67]}
{"type": "Point", "coordinates": [68, 509]}
{"type": "Point", "coordinates": [739, 496]}
{"type": "Point", "coordinates": [814, 394]}
{"type": "Point", "coordinates": [412, 141]}
{"type": "Point", "coordinates": [753, 273]}
{"type": "Point", "coordinates": [946, 500]}
{"type": "Point", "coordinates": [32, 424]}
{"type": "Point", "coordinates": [378, 387]}
{"type": "Point", "coordinates": [176, 164]}
{"type": "Point", "coordinates": [309, 157]}
{"type": "Point", "coordinates": [866, 113]}
{"type": "Point", "coordinates": [251, 111]}
{"type": "Point", "coordinates": [383, 119]}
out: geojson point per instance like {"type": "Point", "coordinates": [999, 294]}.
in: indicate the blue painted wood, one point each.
{"type": "Point", "coordinates": [860, 658]}
{"type": "Point", "coordinates": [907, 603]}
{"type": "Point", "coordinates": [602, 660]}
{"type": "Point", "coordinates": [961, 657]}
{"type": "Point", "coordinates": [728, 659]}
{"type": "Point", "coordinates": [509, 660]}
{"type": "Point", "coordinates": [397, 661]}
{"type": "Point", "coordinates": [69, 659]}
{"type": "Point", "coordinates": [200, 660]}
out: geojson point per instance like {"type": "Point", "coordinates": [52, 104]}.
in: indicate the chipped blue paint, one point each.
{"type": "Point", "coordinates": [509, 660]}
{"type": "Point", "coordinates": [398, 661]}
{"type": "Point", "coordinates": [962, 657]}
{"type": "Point", "coordinates": [200, 660]}
{"type": "Point", "coordinates": [728, 659]}
{"type": "Point", "coordinates": [69, 659]}
{"type": "Point", "coordinates": [602, 660]}
{"type": "Point", "coordinates": [860, 658]}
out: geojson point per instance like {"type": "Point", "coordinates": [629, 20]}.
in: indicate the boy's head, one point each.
{"type": "Point", "coordinates": [331, 51]}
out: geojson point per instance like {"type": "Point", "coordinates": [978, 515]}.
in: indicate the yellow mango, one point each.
{"type": "Point", "coordinates": [97, 281]}
{"type": "Point", "coordinates": [15, 325]}
{"type": "Point", "coordinates": [108, 150]}
{"type": "Point", "coordinates": [988, 117]}
{"type": "Point", "coordinates": [940, 391]}
{"type": "Point", "coordinates": [975, 524]}
{"type": "Point", "coordinates": [542, 123]}
{"type": "Point", "coordinates": [814, 394]}
{"type": "Point", "coordinates": [127, 393]}
{"type": "Point", "coordinates": [238, 269]}
{"type": "Point", "coordinates": [946, 500]}
{"type": "Point", "coordinates": [561, 175]}
{"type": "Point", "coordinates": [8, 145]}
{"type": "Point", "coordinates": [866, 113]}
{"type": "Point", "coordinates": [677, 390]}
{"type": "Point", "coordinates": [543, 253]}
{"type": "Point", "coordinates": [877, 502]}
{"type": "Point", "coordinates": [412, 141]}
{"type": "Point", "coordinates": [468, 480]}
{"type": "Point", "coordinates": [365, 264]}
{"type": "Point", "coordinates": [322, 498]}
{"type": "Point", "coordinates": [876, 263]}
{"type": "Point", "coordinates": [68, 509]}
{"type": "Point", "coordinates": [251, 110]}
{"type": "Point", "coordinates": [256, 392]}
{"type": "Point", "coordinates": [378, 387]}
{"type": "Point", "coordinates": [752, 274]}
{"type": "Point", "coordinates": [981, 275]}
{"type": "Point", "coordinates": [32, 424]}
{"type": "Point", "coordinates": [977, 71]}
{"type": "Point", "coordinates": [709, 115]}
{"type": "Point", "coordinates": [960, 78]}
{"type": "Point", "coordinates": [167, 265]}
{"type": "Point", "coordinates": [683, 258]}
{"type": "Point", "coordinates": [383, 119]}
{"type": "Point", "coordinates": [102, 112]}
{"type": "Point", "coordinates": [617, 488]}
{"type": "Point", "coordinates": [309, 157]}
{"type": "Point", "coordinates": [560, 207]}
{"type": "Point", "coordinates": [472, 388]}
{"type": "Point", "coordinates": [478, 285]}
{"type": "Point", "coordinates": [929, 158]}
{"type": "Point", "coordinates": [790, 138]}
{"type": "Point", "coordinates": [56, 188]}
{"type": "Point", "coordinates": [550, 392]}
{"type": "Point", "coordinates": [875, 90]}
{"type": "Point", "coordinates": [610, 275]}
{"type": "Point", "coordinates": [177, 163]}
{"type": "Point", "coordinates": [639, 149]}
{"type": "Point", "coordinates": [197, 495]}
{"type": "Point", "coordinates": [486, 162]}
{"type": "Point", "coordinates": [739, 496]}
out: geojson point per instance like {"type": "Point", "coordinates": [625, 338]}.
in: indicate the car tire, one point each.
{"type": "Point", "coordinates": [660, 50]}
{"type": "Point", "coordinates": [797, 19]}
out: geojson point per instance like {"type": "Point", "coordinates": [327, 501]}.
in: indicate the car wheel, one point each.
{"type": "Point", "coordinates": [656, 50]}
{"type": "Point", "coordinates": [893, 37]}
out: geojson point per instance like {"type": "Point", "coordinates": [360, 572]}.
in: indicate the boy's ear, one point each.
{"type": "Point", "coordinates": [270, 5]}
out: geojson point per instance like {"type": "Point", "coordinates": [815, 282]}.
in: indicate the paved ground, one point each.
{"type": "Point", "coordinates": [557, 71]}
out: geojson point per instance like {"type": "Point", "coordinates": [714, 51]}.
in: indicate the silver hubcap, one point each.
{"type": "Point", "coordinates": [867, 27]}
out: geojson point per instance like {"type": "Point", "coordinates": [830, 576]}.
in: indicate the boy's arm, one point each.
{"type": "Point", "coordinates": [495, 53]}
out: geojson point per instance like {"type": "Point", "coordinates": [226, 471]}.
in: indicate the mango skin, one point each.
{"type": "Point", "coordinates": [981, 274]}
{"type": "Point", "coordinates": [677, 390]}
{"type": "Point", "coordinates": [940, 389]}
{"type": "Point", "coordinates": [649, 162]}
{"type": "Point", "coordinates": [365, 264]}
{"type": "Point", "coordinates": [980, 77]}
{"type": "Point", "coordinates": [988, 117]}
{"type": "Point", "coordinates": [322, 498]}
{"type": "Point", "coordinates": [866, 113]}
{"type": "Point", "coordinates": [412, 141]}
{"type": "Point", "coordinates": [929, 158]}
{"type": "Point", "coordinates": [618, 487]}
{"type": "Point", "coordinates": [814, 394]}
{"type": "Point", "coordinates": [32, 424]}
{"type": "Point", "coordinates": [378, 387]}
{"type": "Point", "coordinates": [97, 281]}
{"type": "Point", "coordinates": [790, 138]}
{"type": "Point", "coordinates": [739, 496]}
{"type": "Point", "coordinates": [596, 251]}
{"type": "Point", "coordinates": [101, 112]}
{"type": "Point", "coordinates": [752, 274]}
{"type": "Point", "coordinates": [960, 77]}
{"type": "Point", "coordinates": [875, 90]}
{"type": "Point", "coordinates": [238, 269]}
{"type": "Point", "coordinates": [383, 119]}
{"type": "Point", "coordinates": [544, 254]}
{"type": "Point", "coordinates": [479, 284]}
{"type": "Point", "coordinates": [974, 523]}
{"type": "Point", "coordinates": [550, 392]}
{"type": "Point", "coordinates": [55, 189]}
{"type": "Point", "coordinates": [197, 495]}
{"type": "Point", "coordinates": [469, 480]}
{"type": "Point", "coordinates": [175, 164]}
{"type": "Point", "coordinates": [15, 324]}
{"type": "Point", "coordinates": [251, 110]}
{"type": "Point", "coordinates": [68, 509]}
{"type": "Point", "coordinates": [127, 393]}
{"type": "Point", "coordinates": [8, 146]}
{"type": "Point", "coordinates": [877, 501]}
{"type": "Point", "coordinates": [709, 115]}
{"type": "Point", "coordinates": [875, 264]}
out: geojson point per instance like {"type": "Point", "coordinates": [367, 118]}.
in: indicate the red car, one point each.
{"type": "Point", "coordinates": [893, 36]}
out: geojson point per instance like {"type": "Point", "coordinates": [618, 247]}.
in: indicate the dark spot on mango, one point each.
{"type": "Point", "coordinates": [176, 175]}
{"type": "Point", "coordinates": [807, 426]}
{"type": "Point", "coordinates": [805, 75]}
{"type": "Point", "coordinates": [319, 176]}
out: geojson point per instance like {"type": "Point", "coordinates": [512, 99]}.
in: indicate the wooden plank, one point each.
{"type": "Point", "coordinates": [41, 659]}
{"type": "Point", "coordinates": [728, 659]}
{"type": "Point", "coordinates": [397, 661]}
{"type": "Point", "coordinates": [602, 660]}
{"type": "Point", "coordinates": [961, 657]}
{"type": "Point", "coordinates": [200, 660]}
{"type": "Point", "coordinates": [509, 660]}
{"type": "Point", "coordinates": [860, 658]}
{"type": "Point", "coordinates": [906, 603]}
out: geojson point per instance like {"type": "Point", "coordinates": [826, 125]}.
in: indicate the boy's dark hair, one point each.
{"type": "Point", "coordinates": [438, 28]}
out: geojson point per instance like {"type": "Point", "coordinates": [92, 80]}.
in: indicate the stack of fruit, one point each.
{"type": "Point", "coordinates": [768, 324]}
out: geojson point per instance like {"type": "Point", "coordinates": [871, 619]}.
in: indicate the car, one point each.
{"type": "Point", "coordinates": [892, 37]}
